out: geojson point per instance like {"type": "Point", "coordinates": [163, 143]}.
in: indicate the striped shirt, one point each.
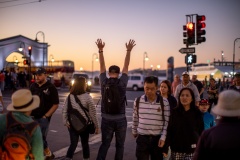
{"type": "Point", "coordinates": [148, 120]}
{"type": "Point", "coordinates": [87, 102]}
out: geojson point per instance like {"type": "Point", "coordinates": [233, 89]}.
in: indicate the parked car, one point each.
{"type": "Point", "coordinates": [78, 74]}
{"type": "Point", "coordinates": [135, 81]}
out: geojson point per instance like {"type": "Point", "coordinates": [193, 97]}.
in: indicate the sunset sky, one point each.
{"type": "Point", "coordinates": [71, 28]}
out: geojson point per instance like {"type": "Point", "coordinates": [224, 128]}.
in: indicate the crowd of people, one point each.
{"type": "Point", "coordinates": [174, 124]}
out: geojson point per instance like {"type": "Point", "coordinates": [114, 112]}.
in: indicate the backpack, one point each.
{"type": "Point", "coordinates": [161, 104]}
{"type": "Point", "coordinates": [16, 142]}
{"type": "Point", "coordinates": [111, 97]}
{"type": "Point", "coordinates": [77, 122]}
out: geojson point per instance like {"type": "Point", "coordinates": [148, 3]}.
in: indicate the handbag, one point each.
{"type": "Point", "coordinates": [77, 122]}
{"type": "Point", "coordinates": [90, 125]}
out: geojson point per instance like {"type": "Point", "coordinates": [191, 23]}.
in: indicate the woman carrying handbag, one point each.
{"type": "Point", "coordinates": [79, 99]}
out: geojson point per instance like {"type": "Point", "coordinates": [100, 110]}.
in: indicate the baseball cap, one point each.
{"type": "Point", "coordinates": [185, 73]}
{"type": "Point", "coordinates": [40, 71]}
{"type": "Point", "coordinates": [114, 69]}
{"type": "Point", "coordinates": [203, 101]}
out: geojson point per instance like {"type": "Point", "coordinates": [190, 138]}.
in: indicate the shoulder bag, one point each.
{"type": "Point", "coordinates": [77, 122]}
{"type": "Point", "coordinates": [90, 125]}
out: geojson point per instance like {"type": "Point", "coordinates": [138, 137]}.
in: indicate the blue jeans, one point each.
{"type": "Point", "coordinates": [44, 125]}
{"type": "Point", "coordinates": [147, 146]}
{"type": "Point", "coordinates": [109, 127]}
{"type": "Point", "coordinates": [74, 137]}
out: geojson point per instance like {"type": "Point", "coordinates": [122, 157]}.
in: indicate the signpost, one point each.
{"type": "Point", "coordinates": [187, 50]}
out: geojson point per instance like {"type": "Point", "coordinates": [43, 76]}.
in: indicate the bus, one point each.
{"type": "Point", "coordinates": [57, 71]}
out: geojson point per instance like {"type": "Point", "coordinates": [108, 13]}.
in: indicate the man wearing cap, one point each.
{"type": "Point", "coordinates": [222, 141]}
{"type": "Point", "coordinates": [116, 123]}
{"type": "Point", "coordinates": [49, 101]}
{"type": "Point", "coordinates": [236, 86]}
{"type": "Point", "coordinates": [187, 83]}
{"type": "Point", "coordinates": [23, 102]}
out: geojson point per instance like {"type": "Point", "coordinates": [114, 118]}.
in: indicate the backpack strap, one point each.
{"type": "Point", "coordinates": [162, 107]}
{"type": "Point", "coordinates": [83, 108]}
{"type": "Point", "coordinates": [11, 121]}
{"type": "Point", "coordinates": [137, 105]}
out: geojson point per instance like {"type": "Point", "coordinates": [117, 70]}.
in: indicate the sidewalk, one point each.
{"type": "Point", "coordinates": [129, 150]}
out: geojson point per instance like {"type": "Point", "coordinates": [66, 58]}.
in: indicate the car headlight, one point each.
{"type": "Point", "coordinates": [89, 83]}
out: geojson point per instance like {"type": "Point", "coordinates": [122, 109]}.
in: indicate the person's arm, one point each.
{"type": "Point", "coordinates": [1, 100]}
{"type": "Point", "coordinates": [135, 119]}
{"type": "Point", "coordinates": [37, 144]}
{"type": "Point", "coordinates": [201, 92]}
{"type": "Point", "coordinates": [64, 113]}
{"type": "Point", "coordinates": [129, 47]}
{"type": "Point", "coordinates": [100, 46]}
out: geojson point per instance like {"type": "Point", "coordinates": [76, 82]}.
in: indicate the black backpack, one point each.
{"type": "Point", "coordinates": [111, 97]}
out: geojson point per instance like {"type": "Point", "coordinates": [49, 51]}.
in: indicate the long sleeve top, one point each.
{"type": "Point", "coordinates": [87, 102]}
{"type": "Point", "coordinates": [184, 129]}
{"type": "Point", "coordinates": [148, 120]}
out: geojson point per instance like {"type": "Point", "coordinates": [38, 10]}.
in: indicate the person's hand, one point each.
{"type": "Point", "coordinates": [130, 45]}
{"type": "Point", "coordinates": [67, 124]}
{"type": "Point", "coordinates": [96, 130]}
{"type": "Point", "coordinates": [161, 143]}
{"type": "Point", "coordinates": [165, 155]}
{"type": "Point", "coordinates": [100, 44]}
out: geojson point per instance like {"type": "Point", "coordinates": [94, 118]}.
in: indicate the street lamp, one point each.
{"type": "Point", "coordinates": [222, 57]}
{"type": "Point", "coordinates": [145, 58]}
{"type": "Point", "coordinates": [158, 67]}
{"type": "Point", "coordinates": [234, 55]}
{"type": "Point", "coordinates": [22, 49]}
{"type": "Point", "coordinates": [96, 59]}
{"type": "Point", "coordinates": [43, 43]}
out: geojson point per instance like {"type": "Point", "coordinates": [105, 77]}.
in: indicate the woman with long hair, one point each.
{"type": "Point", "coordinates": [79, 90]}
{"type": "Point", "coordinates": [184, 127]}
{"type": "Point", "coordinates": [166, 92]}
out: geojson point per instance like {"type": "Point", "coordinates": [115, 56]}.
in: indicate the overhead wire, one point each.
{"type": "Point", "coordinates": [20, 4]}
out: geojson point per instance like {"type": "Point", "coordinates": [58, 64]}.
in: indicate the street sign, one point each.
{"type": "Point", "coordinates": [187, 50]}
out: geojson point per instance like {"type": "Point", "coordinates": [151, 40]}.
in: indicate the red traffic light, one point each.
{"type": "Point", "coordinates": [190, 26]}
{"type": "Point", "coordinates": [25, 62]}
{"type": "Point", "coordinates": [30, 48]}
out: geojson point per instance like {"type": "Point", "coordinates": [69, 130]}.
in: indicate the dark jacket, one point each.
{"type": "Point", "coordinates": [220, 142]}
{"type": "Point", "coordinates": [184, 129]}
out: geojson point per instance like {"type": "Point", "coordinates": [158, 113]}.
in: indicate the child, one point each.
{"type": "Point", "coordinates": [207, 117]}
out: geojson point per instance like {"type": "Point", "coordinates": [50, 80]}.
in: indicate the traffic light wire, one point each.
{"type": "Point", "coordinates": [20, 4]}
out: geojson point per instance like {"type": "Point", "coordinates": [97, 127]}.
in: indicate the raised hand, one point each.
{"type": "Point", "coordinates": [130, 45]}
{"type": "Point", "coordinates": [100, 44]}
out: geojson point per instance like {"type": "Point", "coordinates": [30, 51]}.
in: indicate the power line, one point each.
{"type": "Point", "coordinates": [9, 1]}
{"type": "Point", "coordinates": [20, 3]}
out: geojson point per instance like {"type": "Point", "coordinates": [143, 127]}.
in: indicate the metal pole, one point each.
{"type": "Point", "coordinates": [233, 68]}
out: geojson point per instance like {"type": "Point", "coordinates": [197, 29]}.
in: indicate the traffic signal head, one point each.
{"type": "Point", "coordinates": [190, 59]}
{"type": "Point", "coordinates": [25, 62]}
{"type": "Point", "coordinates": [30, 50]}
{"type": "Point", "coordinates": [200, 20]}
{"type": "Point", "coordinates": [190, 33]}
